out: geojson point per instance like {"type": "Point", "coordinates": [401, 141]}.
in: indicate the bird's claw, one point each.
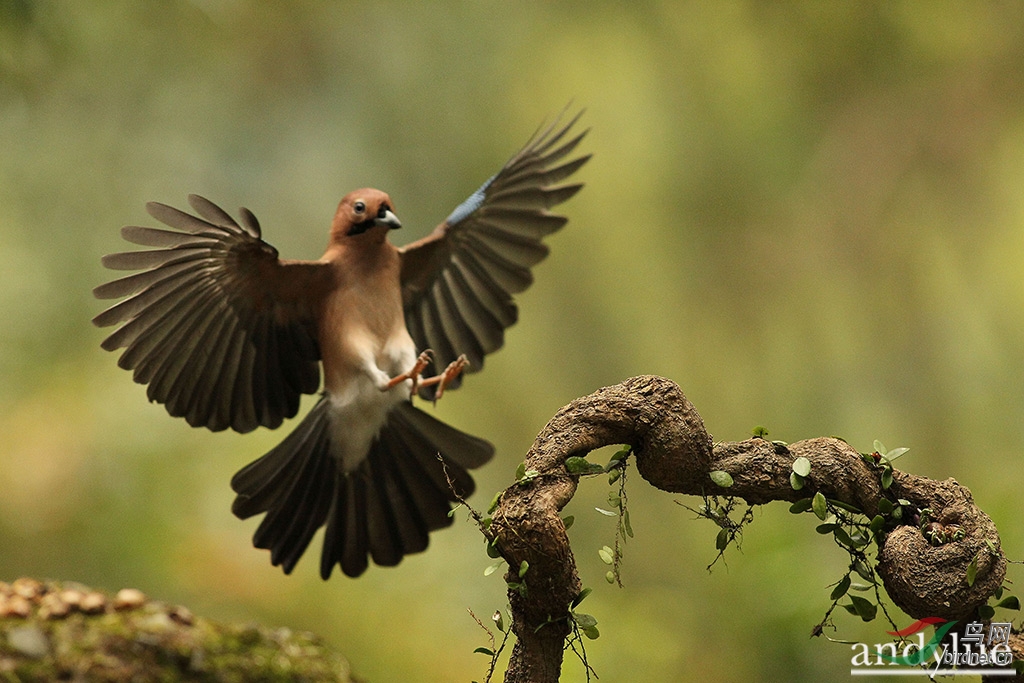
{"type": "Point", "coordinates": [451, 372]}
{"type": "Point", "coordinates": [414, 374]}
{"type": "Point", "coordinates": [442, 380]}
{"type": "Point", "coordinates": [421, 362]}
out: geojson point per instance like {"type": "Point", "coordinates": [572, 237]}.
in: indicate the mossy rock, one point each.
{"type": "Point", "coordinates": [52, 631]}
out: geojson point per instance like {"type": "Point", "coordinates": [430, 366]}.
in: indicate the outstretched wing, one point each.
{"type": "Point", "coordinates": [221, 330]}
{"type": "Point", "coordinates": [458, 282]}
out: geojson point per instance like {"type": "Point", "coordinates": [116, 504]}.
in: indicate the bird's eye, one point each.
{"type": "Point", "coordinates": [359, 207]}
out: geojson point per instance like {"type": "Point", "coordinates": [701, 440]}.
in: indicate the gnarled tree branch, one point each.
{"type": "Point", "coordinates": [675, 453]}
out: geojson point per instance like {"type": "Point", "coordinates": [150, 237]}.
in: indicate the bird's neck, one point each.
{"type": "Point", "coordinates": [356, 254]}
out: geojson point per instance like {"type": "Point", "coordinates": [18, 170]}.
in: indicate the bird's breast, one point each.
{"type": "Point", "coordinates": [360, 332]}
{"type": "Point", "coordinates": [363, 343]}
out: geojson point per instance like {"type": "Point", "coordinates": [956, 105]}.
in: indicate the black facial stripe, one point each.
{"type": "Point", "coordinates": [359, 228]}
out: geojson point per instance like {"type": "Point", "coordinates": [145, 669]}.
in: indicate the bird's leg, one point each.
{"type": "Point", "coordinates": [413, 374]}
{"type": "Point", "coordinates": [445, 378]}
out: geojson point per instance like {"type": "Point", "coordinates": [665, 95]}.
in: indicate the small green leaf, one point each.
{"type": "Point", "coordinates": [1010, 602]}
{"type": "Point", "coordinates": [607, 555]}
{"type": "Point", "coordinates": [607, 513]}
{"type": "Point", "coordinates": [991, 547]}
{"type": "Point", "coordinates": [972, 571]}
{"type": "Point", "coordinates": [609, 576]}
{"type": "Point", "coordinates": [484, 651]}
{"type": "Point", "coordinates": [614, 500]}
{"type": "Point", "coordinates": [802, 505]}
{"type": "Point", "coordinates": [722, 539]}
{"type": "Point", "coordinates": [802, 466]}
{"type": "Point", "coordinates": [498, 620]}
{"type": "Point", "coordinates": [494, 502]}
{"type": "Point", "coordinates": [621, 454]}
{"type": "Point", "coordinates": [820, 506]}
{"type": "Point", "coordinates": [625, 523]}
{"type": "Point", "coordinates": [863, 570]}
{"type": "Point", "coordinates": [859, 538]}
{"type": "Point", "coordinates": [524, 566]}
{"type": "Point", "coordinates": [521, 471]}
{"type": "Point", "coordinates": [582, 466]}
{"type": "Point", "coordinates": [591, 632]}
{"type": "Point", "coordinates": [895, 453]}
{"type": "Point", "coordinates": [986, 612]}
{"type": "Point", "coordinates": [796, 481]}
{"type": "Point", "coordinates": [722, 478]}
{"type": "Point", "coordinates": [568, 521]}
{"type": "Point", "coordinates": [879, 447]}
{"type": "Point", "coordinates": [760, 432]}
{"type": "Point", "coordinates": [843, 538]}
{"type": "Point", "coordinates": [877, 523]}
{"type": "Point", "coordinates": [584, 620]}
{"type": "Point", "coordinates": [865, 608]}
{"type": "Point", "coordinates": [581, 597]}
{"type": "Point", "coordinates": [826, 528]}
{"type": "Point", "coordinates": [885, 506]}
{"type": "Point", "coordinates": [613, 476]}
{"type": "Point", "coordinates": [841, 588]}
{"type": "Point", "coordinates": [886, 478]}
{"type": "Point", "coordinates": [493, 568]}
{"type": "Point", "coordinates": [492, 551]}
{"type": "Point", "coordinates": [842, 505]}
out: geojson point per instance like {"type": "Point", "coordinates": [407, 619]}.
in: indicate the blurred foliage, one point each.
{"type": "Point", "coordinates": [808, 214]}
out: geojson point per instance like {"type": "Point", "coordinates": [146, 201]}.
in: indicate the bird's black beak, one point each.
{"type": "Point", "coordinates": [388, 218]}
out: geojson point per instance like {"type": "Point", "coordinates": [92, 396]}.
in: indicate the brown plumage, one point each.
{"type": "Point", "coordinates": [227, 335]}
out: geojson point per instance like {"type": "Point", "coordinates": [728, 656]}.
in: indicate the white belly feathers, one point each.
{"type": "Point", "coordinates": [359, 406]}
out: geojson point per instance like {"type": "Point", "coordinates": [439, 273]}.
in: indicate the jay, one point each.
{"type": "Point", "coordinates": [227, 335]}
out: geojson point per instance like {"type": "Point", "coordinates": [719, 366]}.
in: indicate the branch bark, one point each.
{"type": "Point", "coordinates": [675, 453]}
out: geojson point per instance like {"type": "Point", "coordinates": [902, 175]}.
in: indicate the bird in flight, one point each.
{"type": "Point", "coordinates": [227, 335]}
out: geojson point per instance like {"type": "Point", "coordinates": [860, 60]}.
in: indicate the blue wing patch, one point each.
{"type": "Point", "coordinates": [471, 204]}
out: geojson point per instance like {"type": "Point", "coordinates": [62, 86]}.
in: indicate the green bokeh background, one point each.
{"type": "Point", "coordinates": [809, 214]}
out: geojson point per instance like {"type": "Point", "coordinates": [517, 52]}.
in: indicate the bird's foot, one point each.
{"type": "Point", "coordinates": [414, 374]}
{"type": "Point", "coordinates": [446, 376]}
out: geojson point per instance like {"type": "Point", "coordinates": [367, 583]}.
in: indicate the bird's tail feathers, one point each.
{"type": "Point", "coordinates": [383, 509]}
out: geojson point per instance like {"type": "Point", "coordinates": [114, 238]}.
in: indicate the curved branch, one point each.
{"type": "Point", "coordinates": [675, 453]}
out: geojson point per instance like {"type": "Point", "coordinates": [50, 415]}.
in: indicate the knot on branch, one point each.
{"type": "Point", "coordinates": [926, 580]}
{"type": "Point", "coordinates": [675, 453]}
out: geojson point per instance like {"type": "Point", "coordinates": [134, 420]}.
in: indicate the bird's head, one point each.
{"type": "Point", "coordinates": [363, 211]}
